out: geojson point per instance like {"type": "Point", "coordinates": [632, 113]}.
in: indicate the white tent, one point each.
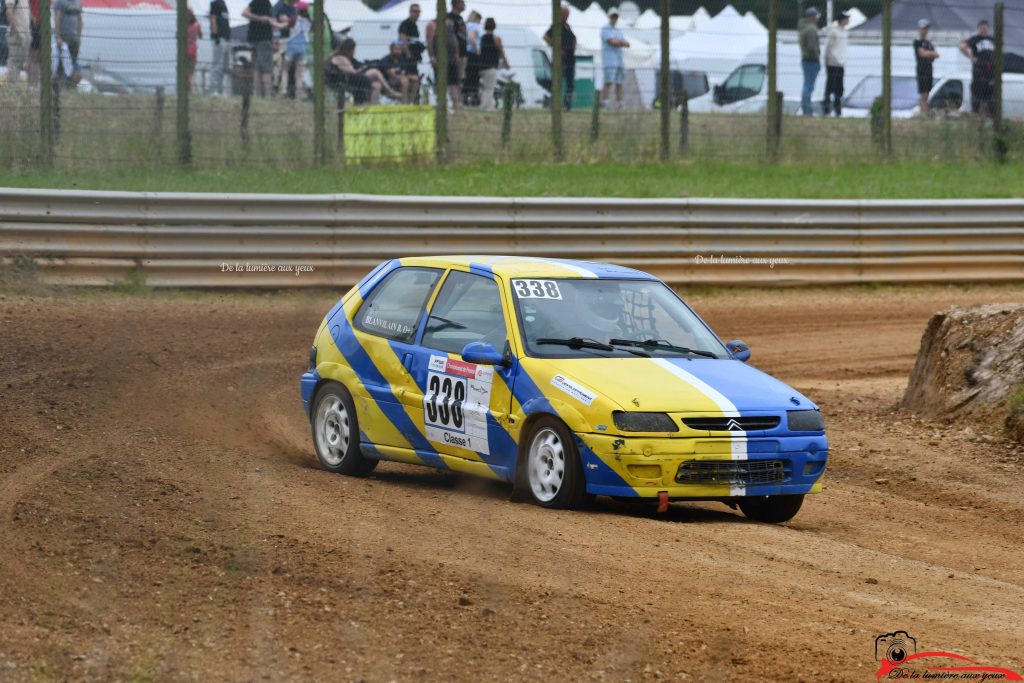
{"type": "Point", "coordinates": [342, 13]}
{"type": "Point", "coordinates": [717, 45]}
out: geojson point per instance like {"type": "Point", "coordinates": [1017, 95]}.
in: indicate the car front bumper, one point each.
{"type": "Point", "coordinates": [647, 467]}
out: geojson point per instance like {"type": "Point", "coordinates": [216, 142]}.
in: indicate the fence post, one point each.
{"type": "Point", "coordinates": [319, 87]}
{"type": "Point", "coordinates": [997, 87]}
{"type": "Point", "coordinates": [46, 138]}
{"type": "Point", "coordinates": [246, 105]}
{"type": "Point", "coordinates": [887, 77]}
{"type": "Point", "coordinates": [595, 119]}
{"type": "Point", "coordinates": [441, 56]}
{"type": "Point", "coordinates": [507, 96]}
{"type": "Point", "coordinates": [341, 126]}
{"type": "Point", "coordinates": [158, 115]}
{"type": "Point", "coordinates": [772, 129]}
{"type": "Point", "coordinates": [667, 94]}
{"type": "Point", "coordinates": [181, 40]}
{"type": "Point", "coordinates": [684, 124]}
{"type": "Point", "coordinates": [557, 97]}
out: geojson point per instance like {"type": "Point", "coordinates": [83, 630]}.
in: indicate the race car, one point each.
{"type": "Point", "coordinates": [569, 379]}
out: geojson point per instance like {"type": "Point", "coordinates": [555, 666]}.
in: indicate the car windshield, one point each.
{"type": "Point", "coordinates": [581, 318]}
{"type": "Point", "coordinates": [904, 93]}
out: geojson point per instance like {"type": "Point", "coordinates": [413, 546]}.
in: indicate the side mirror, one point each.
{"type": "Point", "coordinates": [482, 353]}
{"type": "Point", "coordinates": [739, 349]}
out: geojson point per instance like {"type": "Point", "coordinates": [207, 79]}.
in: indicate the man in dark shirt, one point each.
{"type": "Point", "coordinates": [568, 57]}
{"type": "Point", "coordinates": [220, 33]}
{"type": "Point", "coordinates": [409, 34]}
{"type": "Point", "coordinates": [981, 50]}
{"type": "Point", "coordinates": [459, 26]}
{"type": "Point", "coordinates": [924, 55]}
{"type": "Point", "coordinates": [259, 35]}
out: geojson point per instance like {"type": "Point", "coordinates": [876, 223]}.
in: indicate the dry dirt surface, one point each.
{"type": "Point", "coordinates": [162, 518]}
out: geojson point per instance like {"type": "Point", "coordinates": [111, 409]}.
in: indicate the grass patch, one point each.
{"type": "Point", "coordinates": [1015, 399]}
{"type": "Point", "coordinates": [938, 180]}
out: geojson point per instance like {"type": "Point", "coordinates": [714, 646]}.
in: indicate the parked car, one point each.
{"type": "Point", "coordinates": [568, 378]}
{"type": "Point", "coordinates": [950, 95]}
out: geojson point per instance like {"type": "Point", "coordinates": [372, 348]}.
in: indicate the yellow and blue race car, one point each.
{"type": "Point", "coordinates": [568, 378]}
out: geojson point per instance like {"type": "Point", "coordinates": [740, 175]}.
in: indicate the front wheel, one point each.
{"type": "Point", "coordinates": [336, 432]}
{"type": "Point", "coordinates": [771, 509]}
{"type": "Point", "coordinates": [550, 468]}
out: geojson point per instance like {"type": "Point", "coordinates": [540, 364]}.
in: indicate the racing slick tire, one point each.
{"type": "Point", "coordinates": [336, 432]}
{"type": "Point", "coordinates": [550, 471]}
{"type": "Point", "coordinates": [771, 509]}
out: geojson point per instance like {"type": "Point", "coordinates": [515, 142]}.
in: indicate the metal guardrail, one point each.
{"type": "Point", "coordinates": [189, 240]}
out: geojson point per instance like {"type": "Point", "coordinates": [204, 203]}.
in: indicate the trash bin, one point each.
{"type": "Point", "coordinates": [583, 95]}
{"type": "Point", "coordinates": [241, 70]}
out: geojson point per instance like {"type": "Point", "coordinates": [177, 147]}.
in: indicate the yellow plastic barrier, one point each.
{"type": "Point", "coordinates": [390, 133]}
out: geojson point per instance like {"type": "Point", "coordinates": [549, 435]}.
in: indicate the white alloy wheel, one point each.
{"type": "Point", "coordinates": [332, 430]}
{"type": "Point", "coordinates": [546, 464]}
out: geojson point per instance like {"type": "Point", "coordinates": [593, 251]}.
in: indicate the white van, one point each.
{"type": "Point", "coordinates": [951, 94]}
{"type": "Point", "coordinates": [745, 90]}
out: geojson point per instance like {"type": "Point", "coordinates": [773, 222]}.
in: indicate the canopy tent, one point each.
{"type": "Point", "coordinates": [718, 45]}
{"type": "Point", "coordinates": [341, 13]}
{"type": "Point", "coordinates": [651, 20]}
{"type": "Point", "coordinates": [952, 16]}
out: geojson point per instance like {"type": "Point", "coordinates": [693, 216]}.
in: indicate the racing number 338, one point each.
{"type": "Point", "coordinates": [537, 289]}
{"type": "Point", "coordinates": [444, 400]}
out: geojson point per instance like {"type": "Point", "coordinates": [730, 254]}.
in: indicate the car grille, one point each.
{"type": "Point", "coordinates": [730, 472]}
{"type": "Point", "coordinates": [735, 424]}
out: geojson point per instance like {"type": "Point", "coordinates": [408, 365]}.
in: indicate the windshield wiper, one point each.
{"type": "Point", "coordinates": [447, 324]}
{"type": "Point", "coordinates": [584, 343]}
{"type": "Point", "coordinates": [661, 344]}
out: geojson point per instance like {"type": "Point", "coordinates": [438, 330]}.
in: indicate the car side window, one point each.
{"type": "Point", "coordinates": [467, 309]}
{"type": "Point", "coordinates": [394, 306]}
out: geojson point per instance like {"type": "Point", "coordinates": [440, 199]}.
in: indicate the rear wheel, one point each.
{"type": "Point", "coordinates": [336, 432]}
{"type": "Point", "coordinates": [771, 509]}
{"type": "Point", "coordinates": [550, 469]}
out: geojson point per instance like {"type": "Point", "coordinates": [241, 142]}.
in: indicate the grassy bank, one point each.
{"type": "Point", "coordinates": [693, 179]}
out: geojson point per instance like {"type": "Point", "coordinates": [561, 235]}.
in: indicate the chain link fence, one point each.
{"type": "Point", "coordinates": [291, 86]}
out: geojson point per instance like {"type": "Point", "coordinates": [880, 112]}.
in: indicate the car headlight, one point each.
{"type": "Point", "coordinates": [644, 422]}
{"type": "Point", "coordinates": [312, 359]}
{"type": "Point", "coordinates": [805, 420]}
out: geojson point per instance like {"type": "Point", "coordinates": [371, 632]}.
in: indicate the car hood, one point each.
{"type": "Point", "coordinates": [672, 384]}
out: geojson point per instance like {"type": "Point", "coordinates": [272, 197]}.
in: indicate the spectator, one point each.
{"type": "Point", "coordinates": [981, 50]}
{"type": "Point", "coordinates": [810, 56]}
{"type": "Point", "coordinates": [259, 35]}
{"type": "Point", "coordinates": [612, 42]}
{"type": "Point", "coordinates": [220, 33]}
{"type": "Point", "coordinates": [19, 26]}
{"type": "Point", "coordinates": [67, 19]}
{"type": "Point", "coordinates": [34, 58]}
{"type": "Point", "coordinates": [924, 55]}
{"type": "Point", "coordinates": [295, 52]}
{"type": "Point", "coordinates": [568, 57]}
{"type": "Point", "coordinates": [471, 82]}
{"type": "Point", "coordinates": [366, 84]}
{"type": "Point", "coordinates": [459, 27]}
{"type": "Point", "coordinates": [194, 31]}
{"type": "Point", "coordinates": [3, 32]}
{"type": "Point", "coordinates": [286, 16]}
{"type": "Point", "coordinates": [492, 54]}
{"type": "Point", "coordinates": [409, 34]}
{"type": "Point", "coordinates": [835, 64]}
{"type": "Point", "coordinates": [454, 89]}
{"type": "Point", "coordinates": [395, 68]}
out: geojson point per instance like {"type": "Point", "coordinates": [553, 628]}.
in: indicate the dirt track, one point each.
{"type": "Point", "coordinates": [162, 518]}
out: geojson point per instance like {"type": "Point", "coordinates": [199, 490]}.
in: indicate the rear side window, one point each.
{"type": "Point", "coordinates": [394, 306]}
{"type": "Point", "coordinates": [467, 309]}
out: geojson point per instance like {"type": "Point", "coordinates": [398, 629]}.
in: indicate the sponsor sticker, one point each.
{"type": "Point", "coordinates": [578, 392]}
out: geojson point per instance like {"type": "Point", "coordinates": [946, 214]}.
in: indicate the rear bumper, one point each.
{"type": "Point", "coordinates": [645, 468]}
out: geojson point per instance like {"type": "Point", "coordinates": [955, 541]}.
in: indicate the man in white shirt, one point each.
{"type": "Point", "coordinates": [612, 42]}
{"type": "Point", "coordinates": [835, 63]}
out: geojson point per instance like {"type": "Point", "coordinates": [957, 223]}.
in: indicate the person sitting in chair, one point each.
{"type": "Point", "coordinates": [366, 84]}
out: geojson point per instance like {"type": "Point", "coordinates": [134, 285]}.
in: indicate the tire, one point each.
{"type": "Point", "coordinates": [336, 432]}
{"type": "Point", "coordinates": [550, 471]}
{"type": "Point", "coordinates": [771, 509]}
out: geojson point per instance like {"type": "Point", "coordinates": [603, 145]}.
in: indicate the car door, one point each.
{"type": "Point", "coordinates": [386, 326]}
{"type": "Point", "coordinates": [465, 405]}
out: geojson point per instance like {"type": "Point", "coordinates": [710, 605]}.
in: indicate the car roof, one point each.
{"type": "Point", "coordinates": [530, 266]}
